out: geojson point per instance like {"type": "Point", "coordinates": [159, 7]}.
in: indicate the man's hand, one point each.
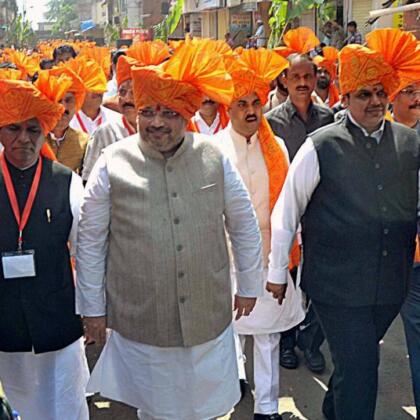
{"type": "Point", "coordinates": [277, 290]}
{"type": "Point", "coordinates": [244, 306]}
{"type": "Point", "coordinates": [95, 329]}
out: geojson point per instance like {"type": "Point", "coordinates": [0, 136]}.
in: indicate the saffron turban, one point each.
{"type": "Point", "coordinates": [361, 67]}
{"type": "Point", "coordinates": [102, 56]}
{"type": "Point", "coordinates": [77, 87]}
{"type": "Point", "coordinates": [89, 72]}
{"type": "Point", "coordinates": [183, 81]}
{"type": "Point", "coordinates": [300, 40]}
{"type": "Point", "coordinates": [149, 53]}
{"type": "Point", "coordinates": [329, 62]}
{"type": "Point", "coordinates": [253, 71]}
{"type": "Point", "coordinates": [401, 51]}
{"type": "Point", "coordinates": [21, 101]}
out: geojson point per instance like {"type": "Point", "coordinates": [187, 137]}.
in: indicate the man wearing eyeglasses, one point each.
{"type": "Point", "coordinates": [354, 187]}
{"type": "Point", "coordinates": [406, 107]}
{"type": "Point", "coordinates": [152, 260]}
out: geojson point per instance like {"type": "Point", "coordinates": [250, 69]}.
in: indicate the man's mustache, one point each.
{"type": "Point", "coordinates": [375, 108]}
{"type": "Point", "coordinates": [162, 130]}
{"type": "Point", "coordinates": [302, 88]}
{"type": "Point", "coordinates": [128, 104]}
{"type": "Point", "coordinates": [208, 102]}
{"type": "Point", "coordinates": [251, 118]}
{"type": "Point", "coordinates": [415, 106]}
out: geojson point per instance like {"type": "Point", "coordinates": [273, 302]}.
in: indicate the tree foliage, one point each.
{"type": "Point", "coordinates": [170, 22]}
{"type": "Point", "coordinates": [20, 33]}
{"type": "Point", "coordinates": [282, 12]}
{"type": "Point", "coordinates": [62, 13]}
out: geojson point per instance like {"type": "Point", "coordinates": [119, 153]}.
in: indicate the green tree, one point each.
{"type": "Point", "coordinates": [170, 22]}
{"type": "Point", "coordinates": [62, 12]}
{"type": "Point", "coordinates": [20, 33]}
{"type": "Point", "coordinates": [282, 12]}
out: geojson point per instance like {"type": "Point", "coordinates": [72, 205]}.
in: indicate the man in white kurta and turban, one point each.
{"type": "Point", "coordinates": [262, 160]}
{"type": "Point", "coordinates": [155, 269]}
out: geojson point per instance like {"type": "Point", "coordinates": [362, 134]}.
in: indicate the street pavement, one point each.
{"type": "Point", "coordinates": [302, 391]}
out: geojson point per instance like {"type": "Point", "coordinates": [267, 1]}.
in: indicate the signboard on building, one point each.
{"type": "Point", "coordinates": [398, 18]}
{"type": "Point", "coordinates": [208, 4]}
{"type": "Point", "coordinates": [136, 34]}
{"type": "Point", "coordinates": [240, 22]}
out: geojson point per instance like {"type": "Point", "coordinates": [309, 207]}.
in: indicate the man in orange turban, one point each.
{"type": "Point", "coordinates": [401, 50]}
{"type": "Point", "coordinates": [358, 209]}
{"type": "Point", "coordinates": [42, 361]}
{"type": "Point", "coordinates": [262, 161]}
{"type": "Point", "coordinates": [140, 54]}
{"type": "Point", "coordinates": [68, 144]}
{"type": "Point", "coordinates": [92, 114]}
{"type": "Point", "coordinates": [326, 91]}
{"type": "Point", "coordinates": [155, 210]}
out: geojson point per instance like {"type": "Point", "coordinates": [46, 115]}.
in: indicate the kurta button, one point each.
{"type": "Point", "coordinates": [182, 299]}
{"type": "Point", "coordinates": [176, 221]}
{"type": "Point", "coordinates": [384, 209]}
{"type": "Point", "coordinates": [377, 165]}
{"type": "Point", "coordinates": [368, 146]}
{"type": "Point", "coordinates": [380, 187]}
{"type": "Point", "coordinates": [174, 195]}
{"type": "Point", "coordinates": [386, 231]}
{"type": "Point", "coordinates": [179, 248]}
{"type": "Point", "coordinates": [181, 274]}
{"type": "Point", "coordinates": [384, 252]}
{"type": "Point", "coordinates": [169, 169]}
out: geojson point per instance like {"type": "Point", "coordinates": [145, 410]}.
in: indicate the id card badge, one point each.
{"type": "Point", "coordinates": [18, 264]}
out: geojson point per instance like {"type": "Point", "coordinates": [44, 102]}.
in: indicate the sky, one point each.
{"type": "Point", "coordinates": [34, 10]}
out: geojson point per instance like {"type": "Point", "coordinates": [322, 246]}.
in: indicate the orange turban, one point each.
{"type": "Point", "coordinates": [77, 87]}
{"type": "Point", "coordinates": [253, 71]}
{"type": "Point", "coordinates": [21, 101]}
{"type": "Point", "coordinates": [102, 55]}
{"type": "Point", "coordinates": [11, 74]}
{"type": "Point", "coordinates": [183, 81]}
{"type": "Point", "coordinates": [89, 72]}
{"type": "Point", "coordinates": [361, 67]}
{"type": "Point", "coordinates": [401, 51]}
{"type": "Point", "coordinates": [53, 87]}
{"type": "Point", "coordinates": [300, 40]}
{"type": "Point", "coordinates": [329, 62]}
{"type": "Point", "coordinates": [28, 65]}
{"type": "Point", "coordinates": [149, 53]}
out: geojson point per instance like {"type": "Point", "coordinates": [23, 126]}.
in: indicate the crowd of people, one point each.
{"type": "Point", "coordinates": [168, 200]}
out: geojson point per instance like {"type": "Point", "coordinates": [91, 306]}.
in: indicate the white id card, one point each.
{"type": "Point", "coordinates": [18, 264]}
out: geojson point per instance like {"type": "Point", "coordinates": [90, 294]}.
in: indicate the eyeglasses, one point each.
{"type": "Point", "coordinates": [166, 114]}
{"type": "Point", "coordinates": [410, 93]}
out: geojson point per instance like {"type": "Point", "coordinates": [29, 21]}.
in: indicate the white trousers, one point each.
{"type": "Point", "coordinates": [146, 417]}
{"type": "Point", "coordinates": [47, 386]}
{"type": "Point", "coordinates": [266, 372]}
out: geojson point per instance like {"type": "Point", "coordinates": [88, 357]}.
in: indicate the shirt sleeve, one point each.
{"type": "Point", "coordinates": [92, 246]}
{"type": "Point", "coordinates": [301, 181]}
{"type": "Point", "coordinates": [242, 226]}
{"type": "Point", "coordinates": [76, 196]}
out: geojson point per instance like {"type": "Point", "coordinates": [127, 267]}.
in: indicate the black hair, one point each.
{"type": "Point", "coordinates": [8, 65]}
{"type": "Point", "coordinates": [352, 23]}
{"type": "Point", "coordinates": [116, 55]}
{"type": "Point", "coordinates": [46, 64]}
{"type": "Point", "coordinates": [64, 49]}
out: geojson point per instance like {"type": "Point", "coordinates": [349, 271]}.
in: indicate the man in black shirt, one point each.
{"type": "Point", "coordinates": [293, 121]}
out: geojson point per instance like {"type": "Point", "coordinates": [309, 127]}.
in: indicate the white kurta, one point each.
{"type": "Point", "coordinates": [268, 316]}
{"type": "Point", "coordinates": [50, 386]}
{"type": "Point", "coordinates": [203, 127]}
{"type": "Point", "coordinates": [195, 383]}
{"type": "Point", "coordinates": [105, 115]}
{"type": "Point", "coordinates": [105, 135]}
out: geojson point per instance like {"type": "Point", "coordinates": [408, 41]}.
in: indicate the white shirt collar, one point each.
{"type": "Point", "coordinates": [377, 135]}
{"type": "Point", "coordinates": [239, 138]}
{"type": "Point", "coordinates": [199, 119]}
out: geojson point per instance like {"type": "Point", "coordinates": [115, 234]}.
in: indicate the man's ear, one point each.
{"type": "Point", "coordinates": [345, 100]}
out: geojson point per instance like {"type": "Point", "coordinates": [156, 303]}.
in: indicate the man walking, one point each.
{"type": "Point", "coordinates": [161, 253]}
{"type": "Point", "coordinates": [354, 187]}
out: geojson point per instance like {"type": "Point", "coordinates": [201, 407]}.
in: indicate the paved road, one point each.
{"type": "Point", "coordinates": [302, 391]}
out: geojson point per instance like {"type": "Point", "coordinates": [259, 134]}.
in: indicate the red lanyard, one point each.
{"type": "Point", "coordinates": [21, 220]}
{"type": "Point", "coordinates": [198, 130]}
{"type": "Point", "coordinates": [128, 126]}
{"type": "Point", "coordinates": [82, 124]}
